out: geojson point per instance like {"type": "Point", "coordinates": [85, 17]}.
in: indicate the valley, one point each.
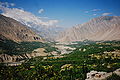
{"type": "Point", "coordinates": [34, 48]}
{"type": "Point", "coordinates": [84, 57]}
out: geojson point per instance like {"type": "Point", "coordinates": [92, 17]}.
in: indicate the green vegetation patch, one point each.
{"type": "Point", "coordinates": [70, 67]}
{"type": "Point", "coordinates": [14, 48]}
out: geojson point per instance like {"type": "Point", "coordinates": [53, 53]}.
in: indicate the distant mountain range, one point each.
{"type": "Point", "coordinates": [44, 27]}
{"type": "Point", "coordinates": [11, 29]}
{"type": "Point", "coordinates": [49, 34]}
{"type": "Point", "coordinates": [102, 28]}
{"type": "Point", "coordinates": [97, 29]}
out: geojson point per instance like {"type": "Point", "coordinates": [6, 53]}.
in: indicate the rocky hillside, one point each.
{"type": "Point", "coordinates": [14, 30]}
{"type": "Point", "coordinates": [15, 58]}
{"type": "Point", "coordinates": [44, 27]}
{"type": "Point", "coordinates": [101, 28]}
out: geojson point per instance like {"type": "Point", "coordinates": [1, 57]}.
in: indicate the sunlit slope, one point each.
{"type": "Point", "coordinates": [101, 28]}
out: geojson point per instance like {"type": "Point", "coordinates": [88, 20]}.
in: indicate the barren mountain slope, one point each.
{"type": "Point", "coordinates": [101, 28]}
{"type": "Point", "coordinates": [14, 30]}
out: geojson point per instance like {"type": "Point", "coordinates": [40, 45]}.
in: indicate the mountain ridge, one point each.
{"type": "Point", "coordinates": [97, 29]}
{"type": "Point", "coordinates": [13, 30]}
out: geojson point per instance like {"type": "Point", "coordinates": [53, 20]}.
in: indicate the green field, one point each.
{"type": "Point", "coordinates": [14, 48]}
{"type": "Point", "coordinates": [87, 56]}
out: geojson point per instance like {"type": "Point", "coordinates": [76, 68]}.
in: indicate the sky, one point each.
{"type": "Point", "coordinates": [66, 13]}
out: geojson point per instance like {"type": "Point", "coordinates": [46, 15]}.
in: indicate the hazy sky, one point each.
{"type": "Point", "coordinates": [68, 12]}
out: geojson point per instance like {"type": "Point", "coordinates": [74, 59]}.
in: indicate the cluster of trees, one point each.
{"type": "Point", "coordinates": [40, 72]}
{"type": "Point", "coordinates": [51, 69]}
{"type": "Point", "coordinates": [11, 47]}
{"type": "Point", "coordinates": [113, 77]}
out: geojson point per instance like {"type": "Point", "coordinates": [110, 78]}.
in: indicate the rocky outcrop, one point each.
{"type": "Point", "coordinates": [15, 58]}
{"type": "Point", "coordinates": [95, 75]}
{"type": "Point", "coordinates": [14, 30]}
{"type": "Point", "coordinates": [101, 28]}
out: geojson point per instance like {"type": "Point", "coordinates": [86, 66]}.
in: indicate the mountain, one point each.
{"type": "Point", "coordinates": [97, 29]}
{"type": "Point", "coordinates": [49, 34]}
{"type": "Point", "coordinates": [13, 30]}
{"type": "Point", "coordinates": [43, 26]}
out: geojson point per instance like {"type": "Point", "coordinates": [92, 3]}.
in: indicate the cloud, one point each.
{"type": "Point", "coordinates": [43, 18]}
{"type": "Point", "coordinates": [12, 4]}
{"type": "Point", "coordinates": [51, 22]}
{"type": "Point", "coordinates": [94, 14]}
{"type": "Point", "coordinates": [41, 11]}
{"type": "Point", "coordinates": [86, 11]}
{"type": "Point", "coordinates": [95, 10]}
{"type": "Point", "coordinates": [27, 18]}
{"type": "Point", "coordinates": [6, 4]}
{"type": "Point", "coordinates": [105, 14]}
